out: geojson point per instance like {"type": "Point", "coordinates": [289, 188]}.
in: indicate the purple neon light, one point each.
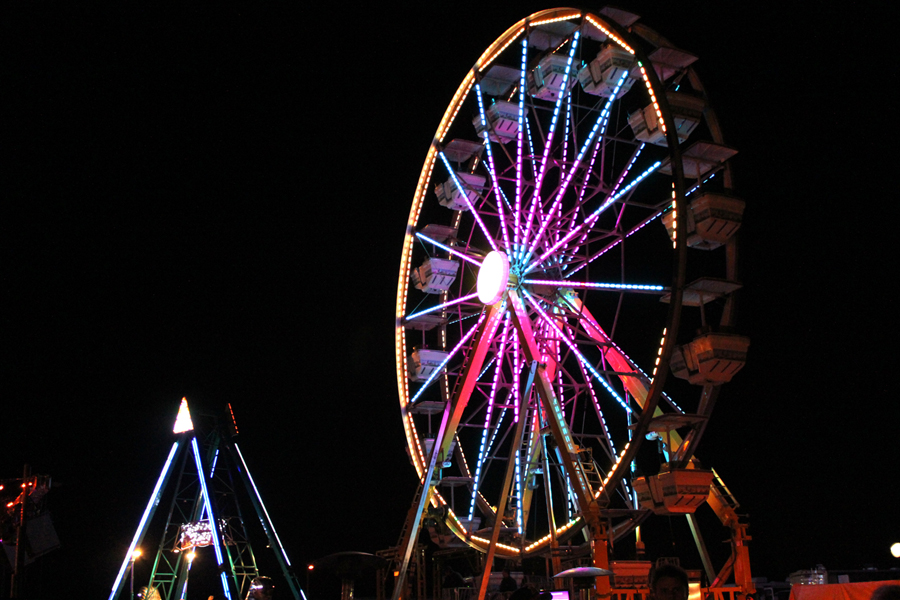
{"type": "Point", "coordinates": [465, 196]}
{"type": "Point", "coordinates": [575, 350]}
{"type": "Point", "coordinates": [590, 223]}
{"type": "Point", "coordinates": [615, 243]}
{"type": "Point", "coordinates": [142, 525]}
{"type": "Point", "coordinates": [489, 412]}
{"type": "Point", "coordinates": [600, 286]}
{"type": "Point", "coordinates": [452, 251]}
{"type": "Point", "coordinates": [440, 306]}
{"type": "Point", "coordinates": [634, 230]}
{"type": "Point", "coordinates": [492, 171]}
{"type": "Point", "coordinates": [550, 133]}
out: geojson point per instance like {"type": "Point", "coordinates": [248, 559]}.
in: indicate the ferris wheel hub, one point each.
{"type": "Point", "coordinates": [493, 277]}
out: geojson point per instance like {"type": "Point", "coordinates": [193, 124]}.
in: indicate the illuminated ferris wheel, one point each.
{"type": "Point", "coordinates": [570, 242]}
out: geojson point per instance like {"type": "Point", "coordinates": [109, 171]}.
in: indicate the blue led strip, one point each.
{"type": "Point", "coordinates": [575, 351]}
{"type": "Point", "coordinates": [268, 524]}
{"type": "Point", "coordinates": [465, 195]}
{"type": "Point", "coordinates": [550, 133]}
{"type": "Point", "coordinates": [599, 126]}
{"type": "Point", "coordinates": [453, 251]}
{"type": "Point", "coordinates": [142, 526]}
{"type": "Point", "coordinates": [212, 518]}
{"type": "Point", "coordinates": [440, 306]}
{"type": "Point", "coordinates": [581, 228]}
{"type": "Point", "coordinates": [492, 171]}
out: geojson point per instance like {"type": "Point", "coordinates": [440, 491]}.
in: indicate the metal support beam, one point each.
{"type": "Point", "coordinates": [507, 481]}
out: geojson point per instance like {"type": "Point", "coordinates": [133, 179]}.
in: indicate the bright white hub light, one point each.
{"type": "Point", "coordinates": [895, 550]}
{"type": "Point", "coordinates": [493, 277]}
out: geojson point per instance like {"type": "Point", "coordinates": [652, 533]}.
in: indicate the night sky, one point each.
{"type": "Point", "coordinates": [211, 204]}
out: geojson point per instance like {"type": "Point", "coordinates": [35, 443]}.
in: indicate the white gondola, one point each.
{"type": "Point", "coordinates": [603, 73]}
{"type": "Point", "coordinates": [503, 122]}
{"type": "Point", "coordinates": [545, 81]}
{"type": "Point", "coordinates": [423, 362]}
{"type": "Point", "coordinates": [686, 110]}
{"type": "Point", "coordinates": [449, 194]}
{"type": "Point", "coordinates": [435, 275]}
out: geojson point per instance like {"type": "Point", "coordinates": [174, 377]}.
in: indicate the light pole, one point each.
{"type": "Point", "coordinates": [134, 556]}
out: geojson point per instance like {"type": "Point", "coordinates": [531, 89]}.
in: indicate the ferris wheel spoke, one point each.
{"type": "Point", "coordinates": [616, 287]}
{"type": "Point", "coordinates": [447, 304]}
{"type": "Point", "coordinates": [492, 170]}
{"type": "Point", "coordinates": [598, 128]}
{"type": "Point", "coordinates": [548, 142]}
{"type": "Point", "coordinates": [609, 447]}
{"type": "Point", "coordinates": [449, 249]}
{"type": "Point", "coordinates": [619, 239]}
{"type": "Point", "coordinates": [574, 349]}
{"type": "Point", "coordinates": [464, 194]}
{"type": "Point", "coordinates": [633, 378]}
{"type": "Point", "coordinates": [484, 449]}
{"type": "Point", "coordinates": [585, 226]}
{"type": "Point", "coordinates": [443, 365]}
{"type": "Point", "coordinates": [519, 134]}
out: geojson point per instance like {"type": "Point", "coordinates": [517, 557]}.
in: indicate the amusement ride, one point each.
{"type": "Point", "coordinates": [210, 492]}
{"type": "Point", "coordinates": [566, 301]}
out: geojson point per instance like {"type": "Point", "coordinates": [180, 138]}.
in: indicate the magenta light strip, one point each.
{"type": "Point", "coordinates": [519, 135]}
{"type": "Point", "coordinates": [582, 227]}
{"type": "Point", "coordinates": [575, 351]}
{"type": "Point", "coordinates": [550, 133]}
{"type": "Point", "coordinates": [599, 286]}
{"type": "Point", "coordinates": [440, 306]}
{"type": "Point", "coordinates": [618, 241]}
{"type": "Point", "coordinates": [452, 251]}
{"type": "Point", "coordinates": [517, 373]}
{"type": "Point", "coordinates": [599, 126]}
{"type": "Point", "coordinates": [492, 169]}
{"type": "Point", "coordinates": [465, 195]}
{"type": "Point", "coordinates": [453, 353]}
{"type": "Point", "coordinates": [489, 412]}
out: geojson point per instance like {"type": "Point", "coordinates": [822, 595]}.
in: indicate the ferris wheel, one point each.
{"type": "Point", "coordinates": [570, 242]}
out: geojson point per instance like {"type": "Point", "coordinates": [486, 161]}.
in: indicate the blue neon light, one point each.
{"type": "Point", "coordinates": [266, 526]}
{"type": "Point", "coordinates": [139, 534]}
{"type": "Point", "coordinates": [211, 516]}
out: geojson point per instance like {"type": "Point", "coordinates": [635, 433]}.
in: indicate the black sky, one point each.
{"type": "Point", "coordinates": [211, 202]}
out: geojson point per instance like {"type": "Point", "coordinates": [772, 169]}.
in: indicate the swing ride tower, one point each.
{"type": "Point", "coordinates": [212, 493]}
